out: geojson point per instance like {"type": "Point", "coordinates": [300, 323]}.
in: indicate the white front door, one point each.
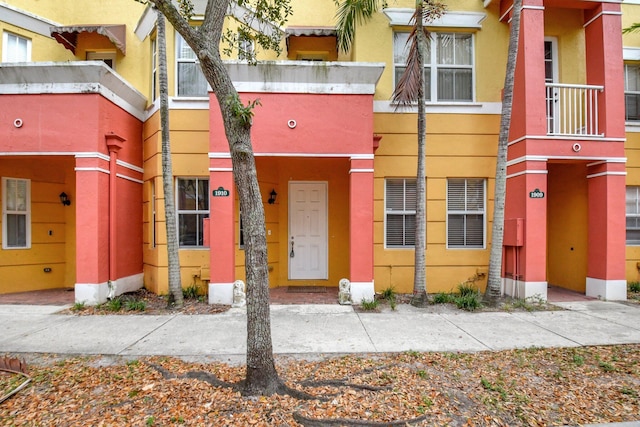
{"type": "Point", "coordinates": [308, 230]}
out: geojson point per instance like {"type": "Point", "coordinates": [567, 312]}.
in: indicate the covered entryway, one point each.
{"type": "Point", "coordinates": [567, 225]}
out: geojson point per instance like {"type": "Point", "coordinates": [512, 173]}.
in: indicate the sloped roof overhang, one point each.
{"type": "Point", "coordinates": [68, 35]}
{"type": "Point", "coordinates": [81, 77]}
{"type": "Point", "coordinates": [306, 77]}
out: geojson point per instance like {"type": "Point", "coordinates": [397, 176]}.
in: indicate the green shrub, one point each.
{"type": "Point", "coordinates": [369, 305]}
{"type": "Point", "coordinates": [190, 292]}
{"type": "Point", "coordinates": [466, 288]}
{"type": "Point", "coordinates": [443, 298]}
{"type": "Point", "coordinates": [135, 305]}
{"type": "Point", "coordinates": [469, 302]}
{"type": "Point", "coordinates": [389, 294]}
{"type": "Point", "coordinates": [79, 306]}
{"type": "Point", "coordinates": [634, 286]}
{"type": "Point", "coordinates": [114, 304]}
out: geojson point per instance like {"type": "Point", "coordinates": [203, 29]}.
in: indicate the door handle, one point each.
{"type": "Point", "coordinates": [292, 254]}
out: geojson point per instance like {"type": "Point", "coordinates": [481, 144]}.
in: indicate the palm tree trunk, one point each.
{"type": "Point", "coordinates": [175, 283]}
{"type": "Point", "coordinates": [420, 278]}
{"type": "Point", "coordinates": [494, 281]}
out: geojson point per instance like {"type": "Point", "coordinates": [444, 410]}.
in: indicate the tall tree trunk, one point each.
{"type": "Point", "coordinates": [175, 283]}
{"type": "Point", "coordinates": [262, 377]}
{"type": "Point", "coordinates": [420, 277]}
{"type": "Point", "coordinates": [494, 281]}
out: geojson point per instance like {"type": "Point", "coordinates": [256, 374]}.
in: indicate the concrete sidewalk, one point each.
{"type": "Point", "coordinates": [312, 331]}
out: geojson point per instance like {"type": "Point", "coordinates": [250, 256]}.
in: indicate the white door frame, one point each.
{"type": "Point", "coordinates": [323, 271]}
{"type": "Point", "coordinates": [552, 102]}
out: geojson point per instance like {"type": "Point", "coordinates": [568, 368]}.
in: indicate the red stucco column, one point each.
{"type": "Point", "coordinates": [527, 199]}
{"type": "Point", "coordinates": [529, 108]}
{"type": "Point", "coordinates": [92, 228]}
{"type": "Point", "coordinates": [114, 144]}
{"type": "Point", "coordinates": [361, 227]}
{"type": "Point", "coordinates": [221, 230]}
{"type": "Point", "coordinates": [607, 231]}
{"type": "Point", "coordinates": [603, 42]}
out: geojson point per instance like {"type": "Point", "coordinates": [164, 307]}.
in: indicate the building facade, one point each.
{"type": "Point", "coordinates": [336, 160]}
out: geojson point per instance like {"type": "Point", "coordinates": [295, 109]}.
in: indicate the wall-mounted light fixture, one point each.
{"type": "Point", "coordinates": [272, 197]}
{"type": "Point", "coordinates": [64, 199]}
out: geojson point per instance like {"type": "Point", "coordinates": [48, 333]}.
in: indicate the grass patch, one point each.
{"type": "Point", "coordinates": [369, 305]}
{"type": "Point", "coordinates": [135, 305]}
{"type": "Point", "coordinates": [389, 294]}
{"type": "Point", "coordinates": [191, 292]}
{"type": "Point", "coordinates": [114, 304]}
{"type": "Point", "coordinates": [79, 306]}
{"type": "Point", "coordinates": [634, 287]}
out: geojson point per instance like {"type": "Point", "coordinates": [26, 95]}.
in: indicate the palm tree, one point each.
{"type": "Point", "coordinates": [410, 90]}
{"type": "Point", "coordinates": [175, 283]}
{"type": "Point", "coordinates": [494, 288]}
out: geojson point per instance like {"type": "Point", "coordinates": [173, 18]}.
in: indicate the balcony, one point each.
{"type": "Point", "coordinates": [572, 110]}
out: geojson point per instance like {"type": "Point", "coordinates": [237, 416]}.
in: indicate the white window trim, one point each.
{"type": "Point", "coordinates": [5, 45]}
{"type": "Point", "coordinates": [190, 211]}
{"type": "Point", "coordinates": [404, 212]}
{"type": "Point", "coordinates": [432, 63]}
{"type": "Point", "coordinates": [484, 214]}
{"type": "Point", "coordinates": [5, 213]}
{"type": "Point", "coordinates": [636, 215]}
{"type": "Point", "coordinates": [180, 60]}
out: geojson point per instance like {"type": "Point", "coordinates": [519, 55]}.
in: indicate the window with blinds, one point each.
{"type": "Point", "coordinates": [15, 48]}
{"type": "Point", "coordinates": [465, 213]}
{"type": "Point", "coordinates": [633, 215]}
{"type": "Point", "coordinates": [400, 213]}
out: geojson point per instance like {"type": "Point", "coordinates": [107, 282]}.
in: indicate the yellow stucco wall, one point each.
{"type": "Point", "coordinates": [52, 226]}
{"type": "Point", "coordinates": [631, 15]}
{"type": "Point", "coordinates": [458, 146]}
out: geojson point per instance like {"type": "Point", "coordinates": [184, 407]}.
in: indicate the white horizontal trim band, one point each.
{"type": "Point", "coordinates": [614, 173]}
{"type": "Point", "coordinates": [219, 155]}
{"type": "Point", "coordinates": [94, 155]}
{"type": "Point", "coordinates": [362, 157]}
{"type": "Point", "coordinates": [119, 175]}
{"type": "Point", "coordinates": [567, 138]}
{"type": "Point", "coordinates": [129, 166]}
{"type": "Point", "coordinates": [220, 169]}
{"type": "Point", "coordinates": [605, 12]}
{"type": "Point", "coordinates": [92, 170]}
{"type": "Point", "coordinates": [361, 170]}
{"type": "Point", "coordinates": [546, 158]}
{"type": "Point", "coordinates": [528, 172]}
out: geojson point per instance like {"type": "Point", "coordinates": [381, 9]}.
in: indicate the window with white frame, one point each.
{"type": "Point", "coordinates": [400, 213]}
{"type": "Point", "coordinates": [632, 91]}
{"type": "Point", "coordinates": [15, 48]}
{"type": "Point", "coordinates": [633, 215]}
{"type": "Point", "coordinates": [193, 208]}
{"type": "Point", "coordinates": [245, 47]}
{"type": "Point", "coordinates": [16, 213]}
{"type": "Point", "coordinates": [191, 81]}
{"type": "Point", "coordinates": [466, 212]}
{"type": "Point", "coordinates": [449, 65]}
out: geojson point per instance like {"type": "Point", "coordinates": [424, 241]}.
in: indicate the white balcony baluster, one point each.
{"type": "Point", "coordinates": [572, 110]}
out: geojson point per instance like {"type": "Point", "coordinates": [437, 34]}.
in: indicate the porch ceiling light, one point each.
{"type": "Point", "coordinates": [272, 197]}
{"type": "Point", "coordinates": [64, 199]}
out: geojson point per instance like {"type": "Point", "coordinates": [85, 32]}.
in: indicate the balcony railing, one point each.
{"type": "Point", "coordinates": [572, 110]}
